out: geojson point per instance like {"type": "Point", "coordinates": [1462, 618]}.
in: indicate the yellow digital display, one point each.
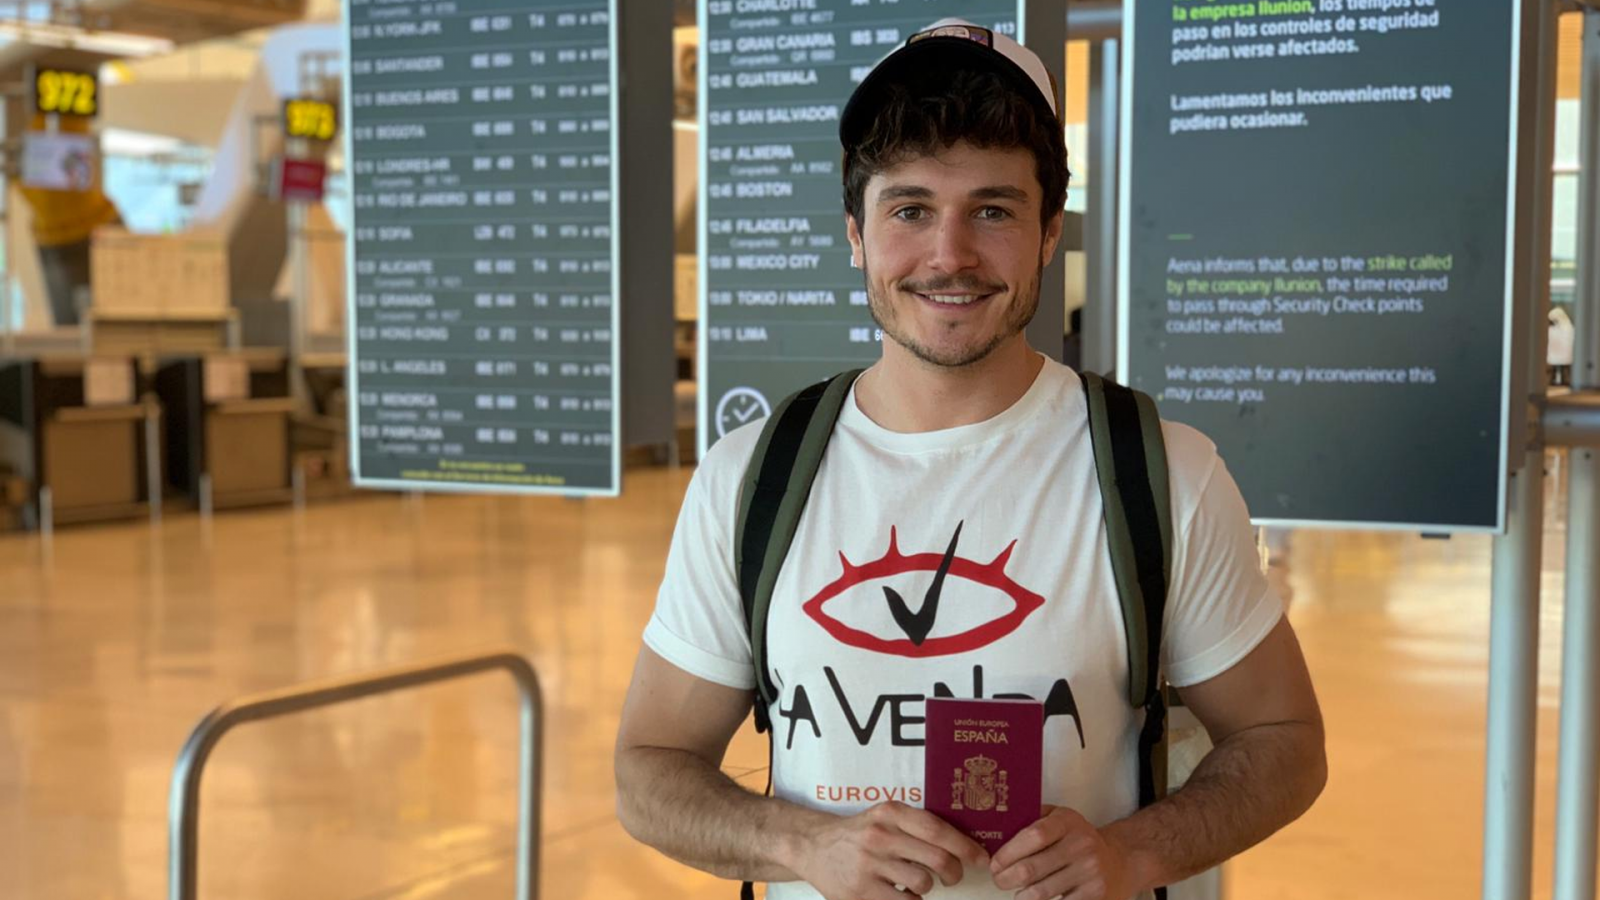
{"type": "Point", "coordinates": [314, 119]}
{"type": "Point", "coordinates": [61, 92]}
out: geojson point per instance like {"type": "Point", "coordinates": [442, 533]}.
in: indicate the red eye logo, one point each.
{"type": "Point", "coordinates": [917, 626]}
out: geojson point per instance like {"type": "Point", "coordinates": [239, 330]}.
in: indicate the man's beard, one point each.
{"type": "Point", "coordinates": [1021, 314]}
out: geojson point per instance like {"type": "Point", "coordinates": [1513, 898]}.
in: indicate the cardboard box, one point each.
{"type": "Point", "coordinates": [157, 276]}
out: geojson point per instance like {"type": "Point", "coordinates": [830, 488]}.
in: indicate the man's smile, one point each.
{"type": "Point", "coordinates": [950, 300]}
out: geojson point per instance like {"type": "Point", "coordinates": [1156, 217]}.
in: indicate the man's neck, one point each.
{"type": "Point", "coordinates": [904, 394]}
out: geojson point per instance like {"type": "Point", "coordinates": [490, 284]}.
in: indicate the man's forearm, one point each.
{"type": "Point", "coordinates": [1246, 788]}
{"type": "Point", "coordinates": [691, 811]}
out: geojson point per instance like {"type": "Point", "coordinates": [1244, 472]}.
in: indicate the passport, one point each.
{"type": "Point", "coordinates": [984, 766]}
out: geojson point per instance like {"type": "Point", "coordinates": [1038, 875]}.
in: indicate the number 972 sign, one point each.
{"type": "Point", "coordinates": [317, 120]}
{"type": "Point", "coordinates": [63, 92]}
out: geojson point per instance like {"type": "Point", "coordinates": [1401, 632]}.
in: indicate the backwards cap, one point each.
{"type": "Point", "coordinates": [944, 45]}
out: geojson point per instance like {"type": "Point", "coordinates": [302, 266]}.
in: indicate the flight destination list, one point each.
{"type": "Point", "coordinates": [782, 307]}
{"type": "Point", "coordinates": [484, 304]}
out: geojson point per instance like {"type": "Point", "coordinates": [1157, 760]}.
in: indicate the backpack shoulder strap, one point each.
{"type": "Point", "coordinates": [1131, 464]}
{"type": "Point", "coordinates": [771, 500]}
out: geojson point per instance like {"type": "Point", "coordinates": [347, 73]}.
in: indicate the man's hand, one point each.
{"type": "Point", "coordinates": [863, 857]}
{"type": "Point", "coordinates": [1062, 855]}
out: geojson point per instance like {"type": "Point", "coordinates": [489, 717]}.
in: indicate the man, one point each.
{"type": "Point", "coordinates": [965, 446]}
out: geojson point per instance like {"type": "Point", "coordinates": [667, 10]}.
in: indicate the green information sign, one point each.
{"type": "Point", "coordinates": [780, 307]}
{"type": "Point", "coordinates": [1316, 213]}
{"type": "Point", "coordinates": [483, 315]}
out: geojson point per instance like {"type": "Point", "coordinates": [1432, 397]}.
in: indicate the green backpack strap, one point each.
{"type": "Point", "coordinates": [776, 485]}
{"type": "Point", "coordinates": [773, 496]}
{"type": "Point", "coordinates": [1131, 462]}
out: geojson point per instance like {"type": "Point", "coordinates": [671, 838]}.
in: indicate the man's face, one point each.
{"type": "Point", "coordinates": [952, 249]}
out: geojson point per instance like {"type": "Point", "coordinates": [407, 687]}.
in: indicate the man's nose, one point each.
{"type": "Point", "coordinates": [955, 247]}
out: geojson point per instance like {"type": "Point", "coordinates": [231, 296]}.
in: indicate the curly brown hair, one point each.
{"type": "Point", "coordinates": [944, 108]}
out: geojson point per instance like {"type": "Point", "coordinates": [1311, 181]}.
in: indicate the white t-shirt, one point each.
{"type": "Point", "coordinates": [1029, 605]}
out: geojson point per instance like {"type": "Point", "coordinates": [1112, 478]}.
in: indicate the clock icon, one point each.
{"type": "Point", "coordinates": [740, 406]}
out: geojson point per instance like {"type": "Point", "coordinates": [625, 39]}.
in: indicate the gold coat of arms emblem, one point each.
{"type": "Point", "coordinates": [980, 785]}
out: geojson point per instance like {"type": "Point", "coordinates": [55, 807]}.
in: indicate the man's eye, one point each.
{"type": "Point", "coordinates": [994, 212]}
{"type": "Point", "coordinates": [909, 214]}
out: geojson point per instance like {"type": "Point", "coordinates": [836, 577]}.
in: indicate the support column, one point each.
{"type": "Point", "coordinates": [1044, 31]}
{"type": "Point", "coordinates": [1578, 786]}
{"type": "Point", "coordinates": [299, 302]}
{"type": "Point", "coordinates": [1514, 604]}
{"type": "Point", "coordinates": [644, 124]}
{"type": "Point", "coordinates": [1100, 225]}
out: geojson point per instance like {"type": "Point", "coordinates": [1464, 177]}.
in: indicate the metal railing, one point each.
{"type": "Point", "coordinates": [183, 808]}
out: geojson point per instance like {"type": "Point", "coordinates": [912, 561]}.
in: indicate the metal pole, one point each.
{"type": "Point", "coordinates": [297, 485]}
{"type": "Point", "coordinates": [47, 513]}
{"type": "Point", "coordinates": [299, 303]}
{"type": "Point", "coordinates": [183, 804]}
{"type": "Point", "coordinates": [1573, 420]}
{"type": "Point", "coordinates": [1513, 690]}
{"type": "Point", "coordinates": [1044, 30]}
{"type": "Point", "coordinates": [152, 456]}
{"type": "Point", "coordinates": [8, 340]}
{"type": "Point", "coordinates": [207, 509]}
{"type": "Point", "coordinates": [1514, 602]}
{"type": "Point", "coordinates": [1578, 781]}
{"type": "Point", "coordinates": [1100, 225]}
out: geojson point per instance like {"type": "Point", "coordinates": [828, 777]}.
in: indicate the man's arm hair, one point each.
{"type": "Point", "coordinates": [1267, 768]}
{"type": "Point", "coordinates": [688, 809]}
{"type": "Point", "coordinates": [672, 793]}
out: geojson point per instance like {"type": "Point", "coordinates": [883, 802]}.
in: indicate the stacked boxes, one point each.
{"type": "Point", "coordinates": [159, 293]}
{"type": "Point", "coordinates": [159, 276]}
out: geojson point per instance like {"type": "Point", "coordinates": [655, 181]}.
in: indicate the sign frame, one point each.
{"type": "Point", "coordinates": [352, 367]}
{"type": "Point", "coordinates": [55, 145]}
{"type": "Point", "coordinates": [704, 404]}
{"type": "Point", "coordinates": [34, 72]}
{"type": "Point", "coordinates": [1512, 303]}
{"type": "Point", "coordinates": [286, 120]}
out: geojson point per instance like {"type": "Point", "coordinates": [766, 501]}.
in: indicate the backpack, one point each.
{"type": "Point", "coordinates": [1131, 464]}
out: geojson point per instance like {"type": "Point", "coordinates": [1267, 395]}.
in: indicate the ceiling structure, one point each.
{"type": "Point", "coordinates": [46, 32]}
{"type": "Point", "coordinates": [182, 21]}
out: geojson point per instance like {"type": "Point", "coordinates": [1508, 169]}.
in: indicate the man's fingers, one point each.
{"type": "Point", "coordinates": [914, 878]}
{"type": "Point", "coordinates": [926, 826]}
{"type": "Point", "coordinates": [1056, 824]}
{"type": "Point", "coordinates": [1038, 867]}
{"type": "Point", "coordinates": [1029, 841]}
{"type": "Point", "coordinates": [930, 858]}
{"type": "Point", "coordinates": [1082, 880]}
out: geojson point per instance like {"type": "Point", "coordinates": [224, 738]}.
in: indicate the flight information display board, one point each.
{"type": "Point", "coordinates": [1316, 250]}
{"type": "Point", "coordinates": [483, 322]}
{"type": "Point", "coordinates": [780, 307]}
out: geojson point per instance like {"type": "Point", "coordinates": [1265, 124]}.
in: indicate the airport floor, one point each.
{"type": "Point", "coordinates": [115, 640]}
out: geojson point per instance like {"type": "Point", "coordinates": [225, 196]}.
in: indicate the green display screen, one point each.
{"type": "Point", "coordinates": [483, 316]}
{"type": "Point", "coordinates": [780, 307]}
{"type": "Point", "coordinates": [1315, 249]}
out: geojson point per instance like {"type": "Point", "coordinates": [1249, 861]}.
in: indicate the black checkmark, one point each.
{"type": "Point", "coordinates": [917, 625]}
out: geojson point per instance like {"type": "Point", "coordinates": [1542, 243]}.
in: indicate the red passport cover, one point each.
{"type": "Point", "coordinates": [984, 766]}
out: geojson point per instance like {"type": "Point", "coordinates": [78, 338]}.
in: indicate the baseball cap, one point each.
{"type": "Point", "coordinates": [947, 44]}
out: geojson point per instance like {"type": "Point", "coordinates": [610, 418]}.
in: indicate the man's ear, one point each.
{"type": "Point", "coordinates": [852, 231]}
{"type": "Point", "coordinates": [1052, 239]}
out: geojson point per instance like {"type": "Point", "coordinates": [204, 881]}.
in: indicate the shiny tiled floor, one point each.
{"type": "Point", "coordinates": [115, 640]}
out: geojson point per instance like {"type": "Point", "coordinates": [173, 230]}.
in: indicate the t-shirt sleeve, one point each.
{"type": "Point", "coordinates": [698, 624]}
{"type": "Point", "coordinates": [1220, 605]}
